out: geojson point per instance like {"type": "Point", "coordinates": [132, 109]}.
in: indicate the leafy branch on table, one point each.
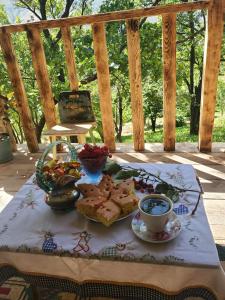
{"type": "Point", "coordinates": [162, 187]}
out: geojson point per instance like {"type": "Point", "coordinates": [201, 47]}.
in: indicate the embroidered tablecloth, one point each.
{"type": "Point", "coordinates": [28, 225]}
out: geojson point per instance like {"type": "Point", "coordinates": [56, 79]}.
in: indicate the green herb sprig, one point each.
{"type": "Point", "coordinates": [171, 191]}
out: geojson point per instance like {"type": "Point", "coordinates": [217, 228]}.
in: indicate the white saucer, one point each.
{"type": "Point", "coordinates": [171, 231]}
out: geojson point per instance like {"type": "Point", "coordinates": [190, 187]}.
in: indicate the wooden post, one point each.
{"type": "Point", "coordinates": [169, 81]}
{"type": "Point", "coordinates": [213, 44]}
{"type": "Point", "coordinates": [70, 58]}
{"type": "Point", "coordinates": [40, 68]}
{"type": "Point", "coordinates": [102, 66]}
{"type": "Point", "coordinates": [19, 90]}
{"type": "Point", "coordinates": [134, 62]}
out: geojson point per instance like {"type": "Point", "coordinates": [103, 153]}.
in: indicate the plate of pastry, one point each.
{"type": "Point", "coordinates": [108, 201]}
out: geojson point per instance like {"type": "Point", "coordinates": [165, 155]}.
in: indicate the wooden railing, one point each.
{"type": "Point", "coordinates": [212, 54]}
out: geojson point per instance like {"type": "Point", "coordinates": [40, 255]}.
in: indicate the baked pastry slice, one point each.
{"type": "Point", "coordinates": [106, 185]}
{"type": "Point", "coordinates": [88, 206]}
{"type": "Point", "coordinates": [108, 212]}
{"type": "Point", "coordinates": [128, 185]}
{"type": "Point", "coordinates": [126, 203]}
{"type": "Point", "coordinates": [125, 187]}
{"type": "Point", "coordinates": [89, 190]}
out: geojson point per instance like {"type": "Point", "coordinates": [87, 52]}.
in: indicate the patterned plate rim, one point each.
{"type": "Point", "coordinates": [117, 220]}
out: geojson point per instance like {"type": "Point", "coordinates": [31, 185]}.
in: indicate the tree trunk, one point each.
{"type": "Point", "coordinates": [40, 127]}
{"type": "Point", "coordinates": [153, 122]}
{"type": "Point", "coordinates": [195, 114]}
{"type": "Point", "coordinates": [99, 129]}
{"type": "Point", "coordinates": [120, 119]}
{"type": "Point", "coordinates": [195, 108]}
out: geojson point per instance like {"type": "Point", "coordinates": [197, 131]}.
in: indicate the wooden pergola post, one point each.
{"type": "Point", "coordinates": [212, 53]}
{"type": "Point", "coordinates": [169, 81]}
{"type": "Point", "coordinates": [41, 72]}
{"type": "Point", "coordinates": [19, 90]}
{"type": "Point", "coordinates": [134, 63]}
{"type": "Point", "coordinates": [102, 67]}
{"type": "Point", "coordinates": [70, 58]}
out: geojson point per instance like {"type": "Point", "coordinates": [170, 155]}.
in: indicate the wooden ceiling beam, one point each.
{"type": "Point", "coordinates": [111, 16]}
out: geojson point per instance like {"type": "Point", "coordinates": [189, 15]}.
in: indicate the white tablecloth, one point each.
{"type": "Point", "coordinates": [28, 225]}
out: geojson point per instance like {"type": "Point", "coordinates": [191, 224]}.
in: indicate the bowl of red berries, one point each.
{"type": "Point", "coordinates": [93, 159]}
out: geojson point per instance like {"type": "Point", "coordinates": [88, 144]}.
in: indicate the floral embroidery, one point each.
{"type": "Point", "coordinates": [4, 229]}
{"type": "Point", "coordinates": [28, 201]}
{"type": "Point", "coordinates": [172, 259]}
{"type": "Point", "coordinates": [149, 257]}
{"type": "Point", "coordinates": [193, 241]}
{"type": "Point", "coordinates": [187, 226]}
{"type": "Point", "coordinates": [13, 216]}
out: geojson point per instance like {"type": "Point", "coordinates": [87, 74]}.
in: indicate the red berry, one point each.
{"type": "Point", "coordinates": [137, 187]}
{"type": "Point", "coordinates": [149, 185]}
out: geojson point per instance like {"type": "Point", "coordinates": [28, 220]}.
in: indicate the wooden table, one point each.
{"type": "Point", "coordinates": [97, 277]}
{"type": "Point", "coordinates": [67, 130]}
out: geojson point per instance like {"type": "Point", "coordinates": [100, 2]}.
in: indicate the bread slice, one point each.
{"type": "Point", "coordinates": [89, 190]}
{"type": "Point", "coordinates": [126, 203]}
{"type": "Point", "coordinates": [88, 206]}
{"type": "Point", "coordinates": [106, 185]}
{"type": "Point", "coordinates": [125, 187]}
{"type": "Point", "coordinates": [108, 212]}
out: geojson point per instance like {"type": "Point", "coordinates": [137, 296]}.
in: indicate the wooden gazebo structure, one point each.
{"type": "Point", "coordinates": [213, 43]}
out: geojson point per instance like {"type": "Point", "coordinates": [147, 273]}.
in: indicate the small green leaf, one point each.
{"type": "Point", "coordinates": [173, 195]}
{"type": "Point", "coordinates": [126, 174]}
{"type": "Point", "coordinates": [162, 188]}
{"type": "Point", "coordinates": [111, 168]}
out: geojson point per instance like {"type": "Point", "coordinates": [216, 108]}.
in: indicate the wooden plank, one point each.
{"type": "Point", "coordinates": [169, 81]}
{"type": "Point", "coordinates": [134, 63]}
{"type": "Point", "coordinates": [19, 90]}
{"type": "Point", "coordinates": [112, 16]}
{"type": "Point", "coordinates": [40, 68]}
{"type": "Point", "coordinates": [102, 67]}
{"type": "Point", "coordinates": [69, 129]}
{"type": "Point", "coordinates": [70, 58]}
{"type": "Point", "coordinates": [211, 64]}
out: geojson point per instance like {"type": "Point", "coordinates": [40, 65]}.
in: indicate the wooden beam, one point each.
{"type": "Point", "coordinates": [40, 68]}
{"type": "Point", "coordinates": [134, 63]}
{"type": "Point", "coordinates": [213, 44]}
{"type": "Point", "coordinates": [102, 67]}
{"type": "Point", "coordinates": [19, 90]}
{"type": "Point", "coordinates": [169, 81]}
{"type": "Point", "coordinates": [112, 16]}
{"type": "Point", "coordinates": [70, 58]}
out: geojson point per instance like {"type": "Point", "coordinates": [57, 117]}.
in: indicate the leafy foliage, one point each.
{"type": "Point", "coordinates": [190, 40]}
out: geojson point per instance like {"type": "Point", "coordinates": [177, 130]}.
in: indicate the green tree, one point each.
{"type": "Point", "coordinates": [153, 104]}
{"type": "Point", "coordinates": [221, 96]}
{"type": "Point", "coordinates": [190, 39]}
{"type": "Point", "coordinates": [190, 45]}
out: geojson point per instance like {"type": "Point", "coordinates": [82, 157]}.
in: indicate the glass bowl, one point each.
{"type": "Point", "coordinates": [93, 167]}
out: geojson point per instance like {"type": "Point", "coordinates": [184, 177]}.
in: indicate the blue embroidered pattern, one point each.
{"type": "Point", "coordinates": [181, 210]}
{"type": "Point", "coordinates": [49, 245]}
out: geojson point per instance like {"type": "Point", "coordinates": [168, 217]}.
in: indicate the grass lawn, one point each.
{"type": "Point", "coordinates": [182, 134]}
